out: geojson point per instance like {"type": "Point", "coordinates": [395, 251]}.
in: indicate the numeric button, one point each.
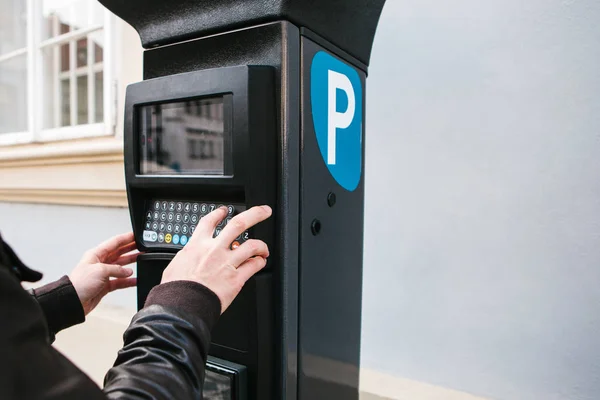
{"type": "Point", "coordinates": [203, 209]}
{"type": "Point", "coordinates": [187, 207]}
{"type": "Point", "coordinates": [230, 210]}
{"type": "Point", "coordinates": [156, 205]}
{"type": "Point", "coordinates": [179, 207]}
{"type": "Point", "coordinates": [195, 207]}
{"type": "Point", "coordinates": [164, 206]}
{"type": "Point", "coordinates": [171, 206]}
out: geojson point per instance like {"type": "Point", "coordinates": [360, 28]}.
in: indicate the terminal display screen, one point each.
{"type": "Point", "coordinates": [190, 137]}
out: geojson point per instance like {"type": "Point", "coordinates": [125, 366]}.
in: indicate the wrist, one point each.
{"type": "Point", "coordinates": [189, 297]}
{"type": "Point", "coordinates": [60, 304]}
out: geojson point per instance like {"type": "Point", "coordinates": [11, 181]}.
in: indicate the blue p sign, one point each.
{"type": "Point", "coordinates": [336, 100]}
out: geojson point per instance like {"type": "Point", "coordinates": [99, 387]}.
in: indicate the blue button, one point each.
{"type": "Point", "coordinates": [175, 239]}
{"type": "Point", "coordinates": [183, 240]}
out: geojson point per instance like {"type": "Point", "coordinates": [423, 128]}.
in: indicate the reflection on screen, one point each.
{"type": "Point", "coordinates": [217, 386]}
{"type": "Point", "coordinates": [185, 138]}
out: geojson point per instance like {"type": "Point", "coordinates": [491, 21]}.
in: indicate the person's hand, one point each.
{"type": "Point", "coordinates": [91, 278]}
{"type": "Point", "coordinates": [210, 261]}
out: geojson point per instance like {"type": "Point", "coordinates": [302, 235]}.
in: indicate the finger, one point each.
{"type": "Point", "coordinates": [207, 225]}
{"type": "Point", "coordinates": [247, 250]}
{"type": "Point", "coordinates": [127, 259]}
{"type": "Point", "coordinates": [104, 249]}
{"type": "Point", "coordinates": [250, 267]}
{"type": "Point", "coordinates": [120, 251]}
{"type": "Point", "coordinates": [116, 284]}
{"type": "Point", "coordinates": [242, 222]}
{"type": "Point", "coordinates": [117, 271]}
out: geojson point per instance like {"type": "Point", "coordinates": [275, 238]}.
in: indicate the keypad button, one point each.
{"type": "Point", "coordinates": [169, 228]}
{"type": "Point", "coordinates": [179, 207]}
{"type": "Point", "coordinates": [163, 216]}
{"type": "Point", "coordinates": [192, 229]}
{"type": "Point", "coordinates": [148, 225]}
{"type": "Point", "coordinates": [170, 217]}
{"type": "Point", "coordinates": [164, 206]}
{"type": "Point", "coordinates": [155, 226]}
{"type": "Point", "coordinates": [186, 218]}
{"type": "Point", "coordinates": [187, 207]}
{"type": "Point", "coordinates": [149, 215]}
{"type": "Point", "coordinates": [195, 207]}
{"type": "Point", "coordinates": [230, 210]}
{"type": "Point", "coordinates": [203, 209]}
{"type": "Point", "coordinates": [150, 236]}
{"type": "Point", "coordinates": [168, 238]}
{"type": "Point", "coordinates": [161, 237]}
{"type": "Point", "coordinates": [217, 232]}
{"type": "Point", "coordinates": [161, 227]}
{"type": "Point", "coordinates": [176, 228]}
{"type": "Point", "coordinates": [175, 239]}
{"type": "Point", "coordinates": [235, 245]}
{"type": "Point", "coordinates": [245, 236]}
{"type": "Point", "coordinates": [183, 240]}
{"type": "Point", "coordinates": [194, 219]}
{"type": "Point", "coordinates": [220, 205]}
{"type": "Point", "coordinates": [156, 205]}
{"type": "Point", "coordinates": [156, 215]}
{"type": "Point", "coordinates": [211, 208]}
{"type": "Point", "coordinates": [184, 229]}
{"type": "Point", "coordinates": [172, 206]}
{"type": "Point", "coordinates": [178, 218]}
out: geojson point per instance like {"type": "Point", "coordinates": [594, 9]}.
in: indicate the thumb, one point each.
{"type": "Point", "coordinates": [117, 271]}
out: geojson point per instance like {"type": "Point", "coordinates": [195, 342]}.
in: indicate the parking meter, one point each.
{"type": "Point", "coordinates": [246, 103]}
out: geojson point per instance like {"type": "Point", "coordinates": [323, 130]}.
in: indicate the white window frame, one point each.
{"type": "Point", "coordinates": [35, 97]}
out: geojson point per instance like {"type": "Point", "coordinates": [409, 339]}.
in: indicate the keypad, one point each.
{"type": "Point", "coordinates": [171, 223]}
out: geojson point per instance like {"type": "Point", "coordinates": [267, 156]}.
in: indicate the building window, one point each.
{"type": "Point", "coordinates": [55, 70]}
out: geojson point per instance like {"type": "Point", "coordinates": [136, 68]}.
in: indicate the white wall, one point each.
{"type": "Point", "coordinates": [482, 241]}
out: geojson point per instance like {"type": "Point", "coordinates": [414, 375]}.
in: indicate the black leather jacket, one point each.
{"type": "Point", "coordinates": [164, 349]}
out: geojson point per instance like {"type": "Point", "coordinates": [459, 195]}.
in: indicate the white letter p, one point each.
{"type": "Point", "coordinates": [336, 119]}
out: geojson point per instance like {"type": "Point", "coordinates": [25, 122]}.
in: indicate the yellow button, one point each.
{"type": "Point", "coordinates": [168, 238]}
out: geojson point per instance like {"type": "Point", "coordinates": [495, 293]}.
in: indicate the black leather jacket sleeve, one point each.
{"type": "Point", "coordinates": [164, 348]}
{"type": "Point", "coordinates": [61, 305]}
{"type": "Point", "coordinates": [166, 345]}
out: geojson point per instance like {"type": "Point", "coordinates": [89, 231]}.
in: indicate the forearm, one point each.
{"type": "Point", "coordinates": [60, 304]}
{"type": "Point", "coordinates": [172, 333]}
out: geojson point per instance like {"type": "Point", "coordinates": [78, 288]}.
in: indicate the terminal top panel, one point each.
{"type": "Point", "coordinates": [349, 24]}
